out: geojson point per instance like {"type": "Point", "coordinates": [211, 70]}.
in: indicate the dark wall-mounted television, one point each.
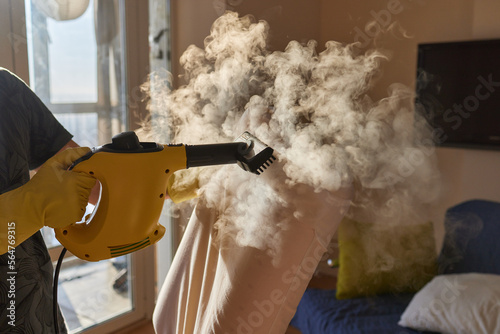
{"type": "Point", "coordinates": [458, 91]}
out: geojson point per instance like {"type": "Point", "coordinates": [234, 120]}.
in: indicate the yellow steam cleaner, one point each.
{"type": "Point", "coordinates": [134, 177]}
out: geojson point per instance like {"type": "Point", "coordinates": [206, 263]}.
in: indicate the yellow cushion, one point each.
{"type": "Point", "coordinates": [376, 259]}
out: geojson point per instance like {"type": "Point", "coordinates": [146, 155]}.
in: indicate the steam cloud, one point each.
{"type": "Point", "coordinates": [312, 108]}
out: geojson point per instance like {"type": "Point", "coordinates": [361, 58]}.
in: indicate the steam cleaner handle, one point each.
{"type": "Point", "coordinates": [216, 154]}
{"type": "Point", "coordinates": [133, 189]}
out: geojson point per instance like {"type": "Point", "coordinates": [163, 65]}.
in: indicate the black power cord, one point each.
{"type": "Point", "coordinates": [54, 290]}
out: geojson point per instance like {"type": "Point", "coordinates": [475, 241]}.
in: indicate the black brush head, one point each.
{"type": "Point", "coordinates": [260, 156]}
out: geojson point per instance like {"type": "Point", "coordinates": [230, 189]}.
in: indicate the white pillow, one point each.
{"type": "Point", "coordinates": [456, 304]}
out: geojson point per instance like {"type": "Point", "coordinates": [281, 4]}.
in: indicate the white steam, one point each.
{"type": "Point", "coordinates": [310, 107]}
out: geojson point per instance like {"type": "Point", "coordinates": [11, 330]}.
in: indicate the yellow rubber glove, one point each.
{"type": "Point", "coordinates": [54, 197]}
{"type": "Point", "coordinates": [183, 185]}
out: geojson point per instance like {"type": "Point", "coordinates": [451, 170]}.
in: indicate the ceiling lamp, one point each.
{"type": "Point", "coordinates": [62, 10]}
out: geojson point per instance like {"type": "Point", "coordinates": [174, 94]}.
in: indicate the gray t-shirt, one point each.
{"type": "Point", "coordinates": [29, 135]}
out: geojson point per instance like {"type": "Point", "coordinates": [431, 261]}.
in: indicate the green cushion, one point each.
{"type": "Point", "coordinates": [378, 259]}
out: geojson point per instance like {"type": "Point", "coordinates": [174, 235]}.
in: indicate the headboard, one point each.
{"type": "Point", "coordinates": [472, 238]}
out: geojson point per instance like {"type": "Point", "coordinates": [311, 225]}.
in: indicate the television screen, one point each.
{"type": "Point", "coordinates": [458, 91]}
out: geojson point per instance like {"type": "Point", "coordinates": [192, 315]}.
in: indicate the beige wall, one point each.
{"type": "Point", "coordinates": [467, 173]}
{"type": "Point", "coordinates": [288, 20]}
{"type": "Point", "coordinates": [13, 53]}
{"type": "Point", "coordinates": [418, 20]}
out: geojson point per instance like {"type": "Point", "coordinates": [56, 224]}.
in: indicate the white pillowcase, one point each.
{"type": "Point", "coordinates": [456, 304]}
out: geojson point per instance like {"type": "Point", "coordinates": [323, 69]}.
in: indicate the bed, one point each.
{"type": "Point", "coordinates": [320, 312]}
{"type": "Point", "coordinates": [462, 297]}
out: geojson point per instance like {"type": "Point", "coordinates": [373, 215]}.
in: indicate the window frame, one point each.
{"type": "Point", "coordinates": [15, 58]}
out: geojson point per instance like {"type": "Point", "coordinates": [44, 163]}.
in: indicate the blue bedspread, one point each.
{"type": "Point", "coordinates": [470, 245]}
{"type": "Point", "coordinates": [319, 312]}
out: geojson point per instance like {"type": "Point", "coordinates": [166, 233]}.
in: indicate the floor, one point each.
{"type": "Point", "coordinates": [144, 329]}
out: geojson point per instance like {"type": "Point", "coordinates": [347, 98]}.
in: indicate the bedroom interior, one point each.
{"type": "Point", "coordinates": [399, 27]}
{"type": "Point", "coordinates": [415, 22]}
{"type": "Point", "coordinates": [457, 240]}
{"type": "Point", "coordinates": [412, 23]}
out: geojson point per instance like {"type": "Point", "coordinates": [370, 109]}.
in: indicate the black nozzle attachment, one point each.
{"type": "Point", "coordinates": [248, 152]}
{"type": "Point", "coordinates": [216, 154]}
{"type": "Point", "coordinates": [259, 162]}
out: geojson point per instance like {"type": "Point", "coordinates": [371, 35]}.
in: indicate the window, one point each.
{"type": "Point", "coordinates": [80, 67]}
{"type": "Point", "coordinates": [77, 66]}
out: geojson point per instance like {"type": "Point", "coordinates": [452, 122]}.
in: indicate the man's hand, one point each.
{"type": "Point", "coordinates": [54, 197]}
{"type": "Point", "coordinates": [60, 196]}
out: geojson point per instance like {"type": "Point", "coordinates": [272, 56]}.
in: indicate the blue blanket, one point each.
{"type": "Point", "coordinates": [319, 312]}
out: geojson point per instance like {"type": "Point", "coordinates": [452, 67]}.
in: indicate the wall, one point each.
{"type": "Point", "coordinates": [191, 21]}
{"type": "Point", "coordinates": [288, 19]}
{"type": "Point", "coordinates": [466, 173]}
{"type": "Point", "coordinates": [13, 53]}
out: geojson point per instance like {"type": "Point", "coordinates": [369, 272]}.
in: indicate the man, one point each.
{"type": "Point", "coordinates": [56, 197]}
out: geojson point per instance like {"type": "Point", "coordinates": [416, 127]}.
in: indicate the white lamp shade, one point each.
{"type": "Point", "coordinates": [61, 10]}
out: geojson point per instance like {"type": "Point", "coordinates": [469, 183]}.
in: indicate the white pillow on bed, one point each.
{"type": "Point", "coordinates": [458, 304]}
